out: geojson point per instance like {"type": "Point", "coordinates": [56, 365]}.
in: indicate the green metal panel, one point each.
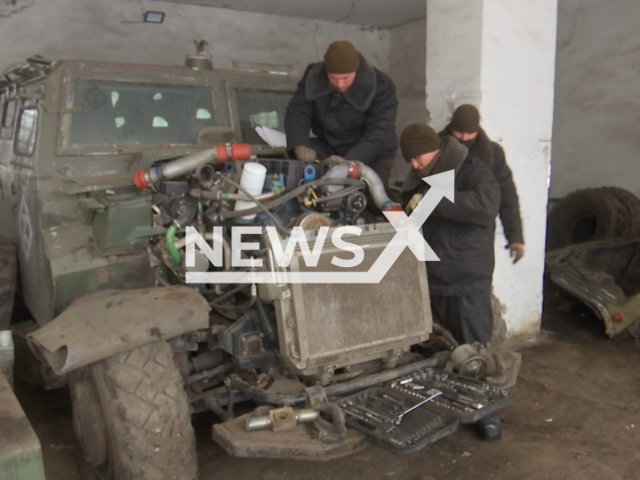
{"type": "Point", "coordinates": [20, 453]}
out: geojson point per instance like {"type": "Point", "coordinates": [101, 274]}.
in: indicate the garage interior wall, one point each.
{"type": "Point", "coordinates": [115, 31]}
{"type": "Point", "coordinates": [595, 136]}
{"type": "Point", "coordinates": [408, 61]}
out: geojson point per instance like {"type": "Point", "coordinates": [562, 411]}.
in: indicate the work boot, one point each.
{"type": "Point", "coordinates": [489, 428]}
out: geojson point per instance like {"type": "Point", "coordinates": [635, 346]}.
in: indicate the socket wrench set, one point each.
{"type": "Point", "coordinates": [407, 414]}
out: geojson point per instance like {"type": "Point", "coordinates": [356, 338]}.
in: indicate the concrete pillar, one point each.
{"type": "Point", "coordinates": [500, 56]}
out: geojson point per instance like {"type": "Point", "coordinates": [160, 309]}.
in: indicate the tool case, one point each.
{"type": "Point", "coordinates": [407, 414]}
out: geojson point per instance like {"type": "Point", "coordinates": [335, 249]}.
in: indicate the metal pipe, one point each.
{"type": "Point", "coordinates": [209, 374]}
{"type": "Point", "coordinates": [358, 170]}
{"type": "Point", "coordinates": [376, 188]}
{"type": "Point", "coordinates": [219, 195]}
{"type": "Point", "coordinates": [262, 422]}
{"type": "Point", "coordinates": [438, 360]}
{"type": "Point", "coordinates": [184, 165]}
{"type": "Point", "coordinates": [260, 395]}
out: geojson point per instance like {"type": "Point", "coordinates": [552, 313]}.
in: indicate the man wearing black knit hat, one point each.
{"type": "Point", "coordinates": [351, 108]}
{"type": "Point", "coordinates": [461, 235]}
{"type": "Point", "coordinates": [465, 126]}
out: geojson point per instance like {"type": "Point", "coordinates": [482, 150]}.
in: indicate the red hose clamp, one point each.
{"type": "Point", "coordinates": [354, 171]}
{"type": "Point", "coordinates": [140, 179]}
{"type": "Point", "coordinates": [394, 207]}
{"type": "Point", "coordinates": [233, 152]}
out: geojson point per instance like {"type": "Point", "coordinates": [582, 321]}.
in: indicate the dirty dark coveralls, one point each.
{"type": "Point", "coordinates": [492, 154]}
{"type": "Point", "coordinates": [358, 124]}
{"type": "Point", "coordinates": [462, 236]}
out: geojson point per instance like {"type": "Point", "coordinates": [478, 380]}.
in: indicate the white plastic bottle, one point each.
{"type": "Point", "coordinates": [252, 180]}
{"type": "Point", "coordinates": [6, 355]}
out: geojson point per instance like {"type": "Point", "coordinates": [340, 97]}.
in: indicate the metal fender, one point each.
{"type": "Point", "coordinates": [105, 323]}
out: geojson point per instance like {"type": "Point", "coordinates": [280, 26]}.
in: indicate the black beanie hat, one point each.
{"type": "Point", "coordinates": [341, 57]}
{"type": "Point", "coordinates": [418, 139]}
{"type": "Point", "coordinates": [466, 119]}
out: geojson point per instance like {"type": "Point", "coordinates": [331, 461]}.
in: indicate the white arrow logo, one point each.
{"type": "Point", "coordinates": [407, 235]}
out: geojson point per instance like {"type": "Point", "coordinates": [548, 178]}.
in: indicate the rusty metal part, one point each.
{"type": "Point", "coordinates": [313, 221]}
{"type": "Point", "coordinates": [301, 443]}
{"type": "Point", "coordinates": [280, 418]}
{"type": "Point", "coordinates": [108, 322]}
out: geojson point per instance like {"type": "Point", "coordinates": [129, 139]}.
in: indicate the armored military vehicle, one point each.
{"type": "Point", "coordinates": [112, 174]}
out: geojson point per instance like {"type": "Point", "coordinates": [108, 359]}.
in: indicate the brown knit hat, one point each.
{"type": "Point", "coordinates": [418, 139]}
{"type": "Point", "coordinates": [466, 119]}
{"type": "Point", "coordinates": [341, 57]}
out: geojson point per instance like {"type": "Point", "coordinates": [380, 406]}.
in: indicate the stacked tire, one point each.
{"type": "Point", "coordinates": [593, 214]}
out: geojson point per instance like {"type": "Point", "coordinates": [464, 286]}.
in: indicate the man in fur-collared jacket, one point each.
{"type": "Point", "coordinates": [351, 108]}
{"type": "Point", "coordinates": [465, 126]}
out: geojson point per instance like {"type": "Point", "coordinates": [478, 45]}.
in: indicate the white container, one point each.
{"type": "Point", "coordinates": [6, 355]}
{"type": "Point", "coordinates": [252, 180]}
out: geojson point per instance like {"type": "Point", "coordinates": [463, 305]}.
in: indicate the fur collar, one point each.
{"type": "Point", "coordinates": [359, 95]}
{"type": "Point", "coordinates": [452, 156]}
{"type": "Point", "coordinates": [482, 148]}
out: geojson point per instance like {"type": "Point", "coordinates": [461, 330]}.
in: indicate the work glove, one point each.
{"type": "Point", "coordinates": [516, 251]}
{"type": "Point", "coordinates": [413, 203]}
{"type": "Point", "coordinates": [305, 154]}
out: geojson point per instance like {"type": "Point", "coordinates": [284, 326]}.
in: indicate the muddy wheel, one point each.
{"type": "Point", "coordinates": [132, 419]}
{"type": "Point", "coordinates": [8, 273]}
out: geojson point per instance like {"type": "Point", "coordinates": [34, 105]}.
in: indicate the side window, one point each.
{"type": "Point", "coordinates": [9, 113]}
{"type": "Point", "coordinates": [26, 134]}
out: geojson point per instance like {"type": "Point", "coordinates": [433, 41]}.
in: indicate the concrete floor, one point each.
{"type": "Point", "coordinates": [576, 415]}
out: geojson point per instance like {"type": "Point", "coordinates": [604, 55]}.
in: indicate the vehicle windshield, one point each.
{"type": "Point", "coordinates": [261, 107]}
{"type": "Point", "coordinates": [112, 113]}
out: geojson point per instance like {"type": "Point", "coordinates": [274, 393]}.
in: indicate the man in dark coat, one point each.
{"type": "Point", "coordinates": [460, 233]}
{"type": "Point", "coordinates": [462, 236]}
{"type": "Point", "coordinates": [465, 126]}
{"type": "Point", "coordinates": [350, 106]}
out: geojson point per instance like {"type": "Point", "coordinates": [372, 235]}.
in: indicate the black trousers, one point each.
{"type": "Point", "coordinates": [468, 318]}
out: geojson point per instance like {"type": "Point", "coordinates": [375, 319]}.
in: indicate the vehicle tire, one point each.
{"type": "Point", "coordinates": [586, 215]}
{"type": "Point", "coordinates": [132, 419]}
{"type": "Point", "coordinates": [632, 205]}
{"type": "Point", "coordinates": [8, 275]}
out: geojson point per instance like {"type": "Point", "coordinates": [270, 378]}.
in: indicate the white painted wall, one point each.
{"type": "Point", "coordinates": [595, 138]}
{"type": "Point", "coordinates": [408, 58]}
{"type": "Point", "coordinates": [500, 55]}
{"type": "Point", "coordinates": [113, 30]}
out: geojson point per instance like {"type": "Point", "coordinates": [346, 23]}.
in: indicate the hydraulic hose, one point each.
{"type": "Point", "coordinates": [169, 242]}
{"type": "Point", "coordinates": [440, 330]}
{"type": "Point", "coordinates": [219, 195]}
{"type": "Point", "coordinates": [270, 334]}
{"type": "Point", "coordinates": [226, 250]}
{"type": "Point", "coordinates": [227, 215]}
